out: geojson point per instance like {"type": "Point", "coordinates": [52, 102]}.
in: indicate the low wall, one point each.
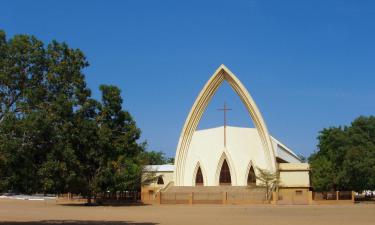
{"type": "Point", "coordinates": [305, 197]}
{"type": "Point", "coordinates": [284, 197]}
{"type": "Point", "coordinates": [333, 197]}
{"type": "Point", "coordinates": [292, 196]}
{"type": "Point", "coordinates": [209, 198]}
{"type": "Point", "coordinates": [129, 197]}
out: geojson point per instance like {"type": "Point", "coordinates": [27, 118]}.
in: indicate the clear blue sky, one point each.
{"type": "Point", "coordinates": [307, 64]}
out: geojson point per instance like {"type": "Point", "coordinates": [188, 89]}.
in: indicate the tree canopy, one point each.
{"type": "Point", "coordinates": [345, 159]}
{"type": "Point", "coordinates": [157, 158]}
{"type": "Point", "coordinates": [54, 137]}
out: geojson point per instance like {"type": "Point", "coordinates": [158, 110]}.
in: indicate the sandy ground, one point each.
{"type": "Point", "coordinates": [47, 213]}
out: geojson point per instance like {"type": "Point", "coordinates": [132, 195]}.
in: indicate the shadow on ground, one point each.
{"type": "Point", "coordinates": [75, 222]}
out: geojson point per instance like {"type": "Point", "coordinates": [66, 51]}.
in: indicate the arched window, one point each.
{"type": "Point", "coordinates": [199, 177]}
{"type": "Point", "coordinates": [251, 178]}
{"type": "Point", "coordinates": [225, 174]}
{"type": "Point", "coordinates": [160, 180]}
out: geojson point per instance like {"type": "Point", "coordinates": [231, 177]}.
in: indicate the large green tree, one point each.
{"type": "Point", "coordinates": [54, 137]}
{"type": "Point", "coordinates": [345, 159]}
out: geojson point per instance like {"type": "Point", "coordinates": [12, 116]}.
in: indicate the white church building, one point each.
{"type": "Point", "coordinates": [228, 156]}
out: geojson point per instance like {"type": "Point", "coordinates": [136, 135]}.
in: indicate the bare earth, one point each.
{"type": "Point", "coordinates": [23, 212]}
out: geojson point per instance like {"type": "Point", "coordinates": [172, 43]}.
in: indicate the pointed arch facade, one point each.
{"type": "Point", "coordinates": [199, 169]}
{"type": "Point", "coordinates": [225, 159]}
{"type": "Point", "coordinates": [221, 74]}
{"type": "Point", "coordinates": [250, 178]}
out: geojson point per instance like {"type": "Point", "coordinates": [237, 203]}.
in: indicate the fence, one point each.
{"type": "Point", "coordinates": [102, 198]}
{"type": "Point", "coordinates": [211, 198]}
{"type": "Point", "coordinates": [174, 198]}
{"type": "Point", "coordinates": [333, 197]}
{"type": "Point", "coordinates": [246, 197]}
{"type": "Point", "coordinates": [290, 197]}
{"type": "Point", "coordinates": [69, 198]}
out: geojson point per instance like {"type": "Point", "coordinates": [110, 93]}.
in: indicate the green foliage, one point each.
{"type": "Point", "coordinates": [54, 137]}
{"type": "Point", "coordinates": [345, 159]}
{"type": "Point", "coordinates": [157, 158]}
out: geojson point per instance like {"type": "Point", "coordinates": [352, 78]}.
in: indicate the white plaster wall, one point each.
{"type": "Point", "coordinates": [207, 147]}
{"type": "Point", "coordinates": [167, 177]}
{"type": "Point", "coordinates": [294, 174]}
{"type": "Point", "coordinates": [294, 179]}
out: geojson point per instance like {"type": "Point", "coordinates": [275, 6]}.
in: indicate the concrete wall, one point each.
{"type": "Point", "coordinates": [167, 178]}
{"type": "Point", "coordinates": [294, 179]}
{"type": "Point", "coordinates": [148, 192]}
{"type": "Point", "coordinates": [294, 175]}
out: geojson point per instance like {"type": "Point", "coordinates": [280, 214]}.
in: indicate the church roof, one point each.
{"type": "Point", "coordinates": [284, 152]}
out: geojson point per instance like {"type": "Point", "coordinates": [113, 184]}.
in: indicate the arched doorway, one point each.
{"type": "Point", "coordinates": [251, 178]}
{"type": "Point", "coordinates": [225, 178]}
{"type": "Point", "coordinates": [160, 180]}
{"type": "Point", "coordinates": [199, 177]}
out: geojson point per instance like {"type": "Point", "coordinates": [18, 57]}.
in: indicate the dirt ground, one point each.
{"type": "Point", "coordinates": [21, 212]}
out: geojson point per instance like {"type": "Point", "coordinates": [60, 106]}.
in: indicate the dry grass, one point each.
{"type": "Point", "coordinates": [22, 212]}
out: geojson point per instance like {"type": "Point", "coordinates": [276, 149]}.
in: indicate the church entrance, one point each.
{"type": "Point", "coordinates": [225, 178]}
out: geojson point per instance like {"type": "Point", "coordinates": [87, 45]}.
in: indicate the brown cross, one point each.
{"type": "Point", "coordinates": [225, 109]}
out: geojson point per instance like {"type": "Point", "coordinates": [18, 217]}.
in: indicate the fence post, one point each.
{"type": "Point", "coordinates": [310, 200]}
{"type": "Point", "coordinates": [337, 195]}
{"type": "Point", "coordinates": [224, 197]}
{"type": "Point", "coordinates": [274, 198]}
{"type": "Point", "coordinates": [353, 196]}
{"type": "Point", "coordinates": [191, 196]}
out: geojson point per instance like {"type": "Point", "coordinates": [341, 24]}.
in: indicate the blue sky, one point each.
{"type": "Point", "coordinates": [307, 64]}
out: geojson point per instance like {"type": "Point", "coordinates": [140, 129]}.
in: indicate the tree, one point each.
{"type": "Point", "coordinates": [54, 137]}
{"type": "Point", "coordinates": [22, 73]}
{"type": "Point", "coordinates": [269, 180]}
{"type": "Point", "coordinates": [112, 152]}
{"type": "Point", "coordinates": [157, 158]}
{"type": "Point", "coordinates": [345, 159]}
{"type": "Point", "coordinates": [322, 175]}
{"type": "Point", "coordinates": [39, 89]}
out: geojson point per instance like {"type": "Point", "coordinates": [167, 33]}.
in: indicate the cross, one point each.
{"type": "Point", "coordinates": [225, 109]}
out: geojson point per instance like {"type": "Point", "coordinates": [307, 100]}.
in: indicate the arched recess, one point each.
{"type": "Point", "coordinates": [198, 168]}
{"type": "Point", "coordinates": [224, 159]}
{"type": "Point", "coordinates": [160, 180]}
{"type": "Point", "coordinates": [251, 176]}
{"type": "Point", "coordinates": [250, 166]}
{"type": "Point", "coordinates": [197, 110]}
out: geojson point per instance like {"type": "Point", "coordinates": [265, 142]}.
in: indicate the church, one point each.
{"type": "Point", "coordinates": [227, 159]}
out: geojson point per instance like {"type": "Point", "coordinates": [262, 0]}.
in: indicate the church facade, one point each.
{"type": "Point", "coordinates": [227, 155]}
{"type": "Point", "coordinates": [235, 164]}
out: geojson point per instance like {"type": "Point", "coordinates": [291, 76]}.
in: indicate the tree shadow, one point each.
{"type": "Point", "coordinates": [76, 222]}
